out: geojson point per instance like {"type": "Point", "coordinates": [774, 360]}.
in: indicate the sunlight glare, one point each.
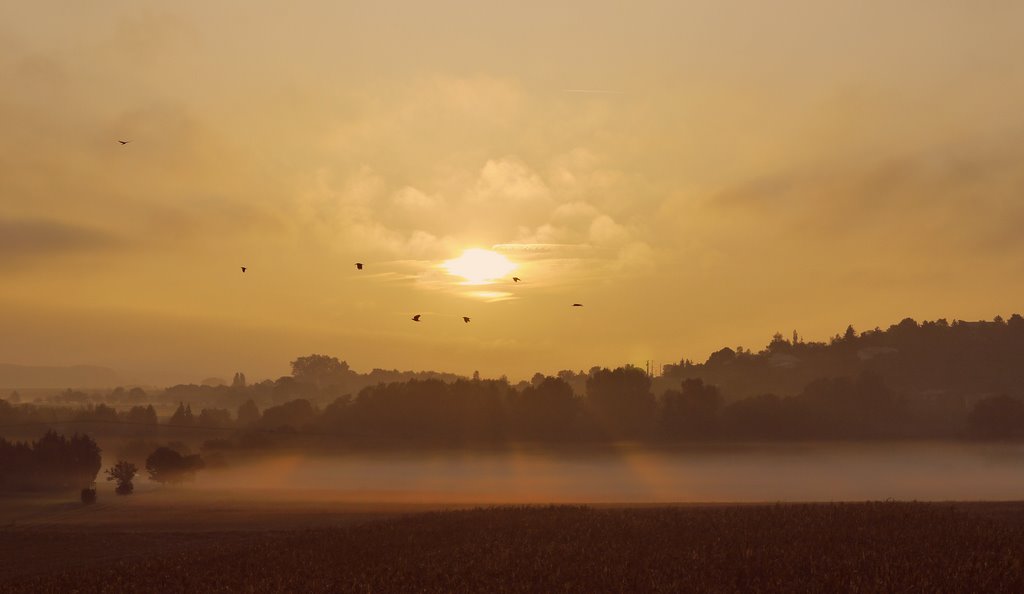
{"type": "Point", "coordinates": [479, 266]}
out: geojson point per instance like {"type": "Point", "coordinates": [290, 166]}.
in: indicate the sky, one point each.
{"type": "Point", "coordinates": [696, 174]}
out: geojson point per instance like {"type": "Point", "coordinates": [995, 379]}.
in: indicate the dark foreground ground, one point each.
{"type": "Point", "coordinates": [854, 547]}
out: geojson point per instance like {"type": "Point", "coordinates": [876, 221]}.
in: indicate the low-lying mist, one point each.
{"type": "Point", "coordinates": [632, 474]}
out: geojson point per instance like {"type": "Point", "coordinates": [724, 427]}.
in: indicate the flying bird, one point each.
{"type": "Point", "coordinates": [577, 305]}
{"type": "Point", "coordinates": [243, 268]}
{"type": "Point", "coordinates": [416, 318]}
{"type": "Point", "coordinates": [465, 319]}
{"type": "Point", "coordinates": [123, 142]}
{"type": "Point", "coordinates": [359, 265]}
{"type": "Point", "coordinates": [516, 279]}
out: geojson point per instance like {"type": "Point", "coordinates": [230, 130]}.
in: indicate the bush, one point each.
{"type": "Point", "coordinates": [123, 472]}
{"type": "Point", "coordinates": [169, 466]}
{"type": "Point", "coordinates": [88, 495]}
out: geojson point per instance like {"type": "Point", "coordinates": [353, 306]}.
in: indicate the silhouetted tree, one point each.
{"type": "Point", "coordinates": [214, 417]}
{"type": "Point", "coordinates": [123, 472]}
{"type": "Point", "coordinates": [142, 414]}
{"type": "Point", "coordinates": [765, 416]}
{"type": "Point", "coordinates": [999, 416]}
{"type": "Point", "coordinates": [545, 410]}
{"type": "Point", "coordinates": [248, 413]}
{"type": "Point", "coordinates": [692, 412]}
{"type": "Point", "coordinates": [99, 412]}
{"type": "Point", "coordinates": [621, 401]}
{"type": "Point", "coordinates": [295, 414]}
{"type": "Point", "coordinates": [321, 371]}
{"type": "Point", "coordinates": [182, 415]}
{"type": "Point", "coordinates": [238, 381]}
{"type": "Point", "coordinates": [52, 462]}
{"type": "Point", "coordinates": [722, 357]}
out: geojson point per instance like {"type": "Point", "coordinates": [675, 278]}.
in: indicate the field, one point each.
{"type": "Point", "coordinates": [321, 547]}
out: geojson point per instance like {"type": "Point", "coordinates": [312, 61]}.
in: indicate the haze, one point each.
{"type": "Point", "coordinates": [629, 474]}
{"type": "Point", "coordinates": [746, 169]}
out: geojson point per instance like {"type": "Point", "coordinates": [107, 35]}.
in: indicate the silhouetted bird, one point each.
{"type": "Point", "coordinates": [577, 305]}
{"type": "Point", "coordinates": [516, 279]}
{"type": "Point", "coordinates": [416, 318]}
{"type": "Point", "coordinates": [243, 268]}
{"type": "Point", "coordinates": [465, 319]}
{"type": "Point", "coordinates": [124, 141]}
{"type": "Point", "coordinates": [359, 265]}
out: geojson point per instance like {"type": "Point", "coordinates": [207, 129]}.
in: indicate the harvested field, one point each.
{"type": "Point", "coordinates": [864, 547]}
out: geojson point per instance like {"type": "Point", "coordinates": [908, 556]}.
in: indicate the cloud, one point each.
{"type": "Point", "coordinates": [961, 193]}
{"type": "Point", "coordinates": [507, 179]}
{"type": "Point", "coordinates": [23, 239]}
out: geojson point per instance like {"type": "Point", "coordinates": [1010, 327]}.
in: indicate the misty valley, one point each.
{"type": "Point", "coordinates": [928, 412]}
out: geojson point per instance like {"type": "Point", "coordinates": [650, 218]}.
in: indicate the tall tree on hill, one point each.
{"type": "Point", "coordinates": [321, 371]}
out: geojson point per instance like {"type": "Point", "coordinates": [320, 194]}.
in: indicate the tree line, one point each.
{"type": "Point", "coordinates": [927, 380]}
{"type": "Point", "coordinates": [55, 462]}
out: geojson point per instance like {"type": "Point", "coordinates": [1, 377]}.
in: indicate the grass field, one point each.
{"type": "Point", "coordinates": [855, 547]}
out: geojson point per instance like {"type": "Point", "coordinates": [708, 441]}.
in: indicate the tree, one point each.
{"type": "Point", "coordinates": [214, 417]}
{"type": "Point", "coordinates": [165, 465]}
{"type": "Point", "coordinates": [142, 414]}
{"type": "Point", "coordinates": [723, 356]}
{"type": "Point", "coordinates": [693, 411]}
{"type": "Point", "coordinates": [248, 413]}
{"type": "Point", "coordinates": [320, 370]}
{"type": "Point", "coordinates": [998, 416]}
{"type": "Point", "coordinates": [546, 409]}
{"type": "Point", "coordinates": [296, 414]}
{"type": "Point", "coordinates": [123, 472]}
{"type": "Point", "coordinates": [183, 415]}
{"type": "Point", "coordinates": [238, 381]}
{"type": "Point", "coordinates": [621, 401]}
{"type": "Point", "coordinates": [52, 462]}
{"type": "Point", "coordinates": [758, 417]}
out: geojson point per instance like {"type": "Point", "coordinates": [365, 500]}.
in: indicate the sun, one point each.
{"type": "Point", "coordinates": [479, 266]}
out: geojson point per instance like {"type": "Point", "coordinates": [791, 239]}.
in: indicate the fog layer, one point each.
{"type": "Point", "coordinates": [626, 474]}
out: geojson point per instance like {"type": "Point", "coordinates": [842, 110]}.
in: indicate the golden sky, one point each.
{"type": "Point", "coordinates": [697, 174]}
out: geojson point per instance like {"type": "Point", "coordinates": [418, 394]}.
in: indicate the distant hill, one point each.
{"type": "Point", "coordinates": [77, 376]}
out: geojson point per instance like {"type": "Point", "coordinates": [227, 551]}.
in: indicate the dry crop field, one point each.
{"type": "Point", "coordinates": [859, 547]}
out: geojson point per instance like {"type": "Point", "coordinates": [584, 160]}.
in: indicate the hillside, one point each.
{"type": "Point", "coordinates": [932, 359]}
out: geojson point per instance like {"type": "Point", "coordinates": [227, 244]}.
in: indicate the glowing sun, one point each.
{"type": "Point", "coordinates": [478, 266]}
